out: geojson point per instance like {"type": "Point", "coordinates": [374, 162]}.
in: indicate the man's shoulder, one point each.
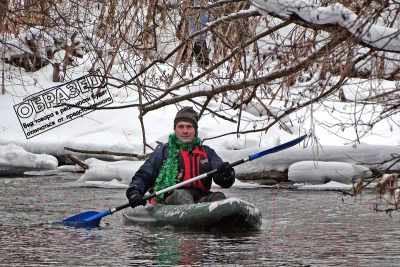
{"type": "Point", "coordinates": [164, 146]}
{"type": "Point", "coordinates": [211, 154]}
{"type": "Point", "coordinates": [160, 152]}
{"type": "Point", "coordinates": [207, 149]}
{"type": "Point", "coordinates": [162, 149]}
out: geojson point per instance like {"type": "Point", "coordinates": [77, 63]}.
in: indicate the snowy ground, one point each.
{"type": "Point", "coordinates": [120, 131]}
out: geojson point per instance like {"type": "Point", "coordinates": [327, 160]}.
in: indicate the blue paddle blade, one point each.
{"type": "Point", "coordinates": [86, 219]}
{"type": "Point", "coordinates": [278, 148]}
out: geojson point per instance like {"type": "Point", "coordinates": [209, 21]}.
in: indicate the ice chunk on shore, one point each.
{"type": "Point", "coordinates": [104, 171]}
{"type": "Point", "coordinates": [103, 184]}
{"type": "Point", "coordinates": [16, 160]}
{"type": "Point", "coordinates": [328, 186]}
{"type": "Point", "coordinates": [321, 172]}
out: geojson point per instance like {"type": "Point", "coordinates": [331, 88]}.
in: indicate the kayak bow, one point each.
{"type": "Point", "coordinates": [231, 213]}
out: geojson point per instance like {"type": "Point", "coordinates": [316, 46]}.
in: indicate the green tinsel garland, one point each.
{"type": "Point", "coordinates": [169, 171]}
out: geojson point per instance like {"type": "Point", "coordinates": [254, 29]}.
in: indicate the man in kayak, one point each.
{"type": "Point", "coordinates": [182, 158]}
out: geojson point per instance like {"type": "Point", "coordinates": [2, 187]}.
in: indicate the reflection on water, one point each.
{"type": "Point", "coordinates": [300, 228]}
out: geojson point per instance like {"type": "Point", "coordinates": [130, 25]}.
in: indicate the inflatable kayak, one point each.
{"type": "Point", "coordinates": [228, 213]}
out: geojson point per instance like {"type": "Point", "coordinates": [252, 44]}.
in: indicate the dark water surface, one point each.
{"type": "Point", "coordinates": [300, 228]}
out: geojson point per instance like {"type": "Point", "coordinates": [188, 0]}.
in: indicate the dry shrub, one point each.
{"type": "Point", "coordinates": [357, 187]}
{"type": "Point", "coordinates": [387, 187]}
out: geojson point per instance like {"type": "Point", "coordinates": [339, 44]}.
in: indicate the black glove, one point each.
{"type": "Point", "coordinates": [224, 169]}
{"type": "Point", "coordinates": [136, 200]}
{"type": "Point", "coordinates": [225, 176]}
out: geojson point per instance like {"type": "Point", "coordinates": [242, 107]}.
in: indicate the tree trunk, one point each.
{"type": "Point", "coordinates": [3, 11]}
{"type": "Point", "coordinates": [56, 73]}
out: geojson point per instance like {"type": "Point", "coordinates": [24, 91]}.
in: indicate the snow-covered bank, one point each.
{"type": "Point", "coordinates": [332, 165]}
{"type": "Point", "coordinates": [323, 172]}
{"type": "Point", "coordinates": [119, 174]}
{"type": "Point", "coordinates": [120, 130]}
{"type": "Point", "coordinates": [327, 186]}
{"type": "Point", "coordinates": [15, 160]}
{"type": "Point", "coordinates": [281, 161]}
{"type": "Point", "coordinates": [121, 171]}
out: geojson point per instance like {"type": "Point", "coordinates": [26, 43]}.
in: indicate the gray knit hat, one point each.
{"type": "Point", "coordinates": [187, 114]}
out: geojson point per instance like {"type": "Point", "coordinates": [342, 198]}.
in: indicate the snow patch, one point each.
{"type": "Point", "coordinates": [329, 185]}
{"type": "Point", "coordinates": [374, 35]}
{"type": "Point", "coordinates": [70, 168]}
{"type": "Point", "coordinates": [215, 204]}
{"type": "Point", "coordinates": [321, 172]}
{"type": "Point", "coordinates": [103, 184]}
{"type": "Point", "coordinates": [14, 158]}
{"type": "Point", "coordinates": [99, 170]}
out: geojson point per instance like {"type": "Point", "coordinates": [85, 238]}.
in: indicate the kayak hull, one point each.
{"type": "Point", "coordinates": [228, 213]}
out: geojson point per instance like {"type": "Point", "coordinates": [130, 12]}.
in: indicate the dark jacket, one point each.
{"type": "Point", "coordinates": [147, 174]}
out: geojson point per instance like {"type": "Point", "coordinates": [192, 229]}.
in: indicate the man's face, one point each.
{"type": "Point", "coordinates": [185, 131]}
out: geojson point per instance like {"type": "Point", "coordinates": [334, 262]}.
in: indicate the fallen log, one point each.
{"type": "Point", "coordinates": [78, 162]}
{"type": "Point", "coordinates": [104, 152]}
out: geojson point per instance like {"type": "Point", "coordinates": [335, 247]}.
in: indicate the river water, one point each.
{"type": "Point", "coordinates": [300, 228]}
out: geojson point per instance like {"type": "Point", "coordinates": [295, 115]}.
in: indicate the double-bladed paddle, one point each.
{"type": "Point", "coordinates": [93, 218]}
